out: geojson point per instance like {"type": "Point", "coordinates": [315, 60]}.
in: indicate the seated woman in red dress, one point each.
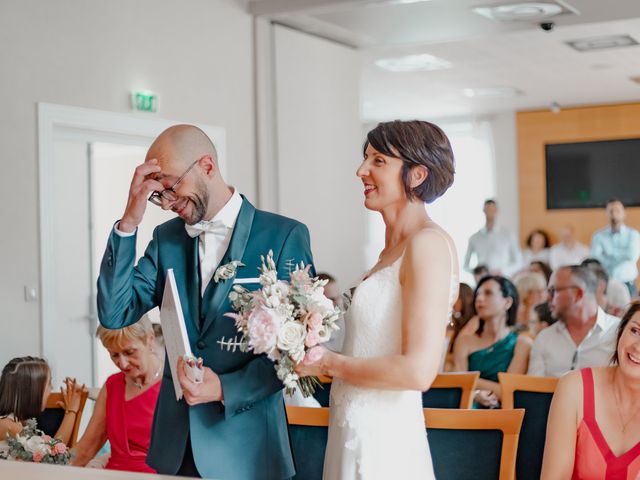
{"type": "Point", "coordinates": [123, 413]}
{"type": "Point", "coordinates": [594, 422]}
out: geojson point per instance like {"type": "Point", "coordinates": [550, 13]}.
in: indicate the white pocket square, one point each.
{"type": "Point", "coordinates": [246, 280]}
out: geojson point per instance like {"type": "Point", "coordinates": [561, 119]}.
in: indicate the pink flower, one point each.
{"type": "Point", "coordinates": [46, 438]}
{"type": "Point", "coordinates": [312, 339]}
{"type": "Point", "coordinates": [301, 277]}
{"type": "Point", "coordinates": [313, 321]}
{"type": "Point", "coordinates": [263, 326]}
{"type": "Point", "coordinates": [313, 355]}
{"type": "Point", "coordinates": [59, 448]}
{"type": "Point", "coordinates": [38, 456]}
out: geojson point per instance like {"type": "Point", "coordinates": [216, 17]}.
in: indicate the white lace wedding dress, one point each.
{"type": "Point", "coordinates": [376, 434]}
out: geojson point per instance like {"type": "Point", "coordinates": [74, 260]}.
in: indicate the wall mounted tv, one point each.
{"type": "Point", "coordinates": [587, 174]}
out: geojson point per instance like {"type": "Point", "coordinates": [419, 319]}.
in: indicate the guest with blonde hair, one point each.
{"type": "Point", "coordinates": [124, 410]}
{"type": "Point", "coordinates": [532, 290]}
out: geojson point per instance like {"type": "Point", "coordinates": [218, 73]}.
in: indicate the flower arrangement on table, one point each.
{"type": "Point", "coordinates": [283, 320]}
{"type": "Point", "coordinates": [32, 445]}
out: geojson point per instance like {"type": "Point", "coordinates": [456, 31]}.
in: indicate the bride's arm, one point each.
{"type": "Point", "coordinates": [425, 280]}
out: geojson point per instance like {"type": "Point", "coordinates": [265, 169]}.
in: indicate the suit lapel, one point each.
{"type": "Point", "coordinates": [216, 293]}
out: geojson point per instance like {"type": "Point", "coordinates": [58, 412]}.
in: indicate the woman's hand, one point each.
{"type": "Point", "coordinates": [487, 399]}
{"type": "Point", "coordinates": [71, 395]}
{"type": "Point", "coordinates": [314, 363]}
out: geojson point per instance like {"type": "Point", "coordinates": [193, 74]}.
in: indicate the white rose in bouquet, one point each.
{"type": "Point", "coordinates": [35, 444]}
{"type": "Point", "coordinates": [291, 337]}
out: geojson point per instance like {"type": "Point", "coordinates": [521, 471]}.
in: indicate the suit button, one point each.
{"type": "Point", "coordinates": [201, 345]}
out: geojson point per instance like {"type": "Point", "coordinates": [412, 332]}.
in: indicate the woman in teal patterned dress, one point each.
{"type": "Point", "coordinates": [494, 347]}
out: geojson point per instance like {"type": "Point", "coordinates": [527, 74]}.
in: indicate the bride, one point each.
{"type": "Point", "coordinates": [398, 315]}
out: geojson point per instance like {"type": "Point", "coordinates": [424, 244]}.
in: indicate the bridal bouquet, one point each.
{"type": "Point", "coordinates": [32, 445]}
{"type": "Point", "coordinates": [284, 320]}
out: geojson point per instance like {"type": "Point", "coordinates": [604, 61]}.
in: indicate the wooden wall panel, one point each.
{"type": "Point", "coordinates": [534, 129]}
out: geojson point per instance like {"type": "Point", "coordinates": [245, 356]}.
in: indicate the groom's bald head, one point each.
{"type": "Point", "coordinates": [181, 145]}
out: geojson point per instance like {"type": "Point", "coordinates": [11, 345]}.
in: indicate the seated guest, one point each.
{"type": "Point", "coordinates": [531, 288]}
{"type": "Point", "coordinates": [123, 413]}
{"type": "Point", "coordinates": [542, 318]}
{"type": "Point", "coordinates": [537, 247]}
{"type": "Point", "coordinates": [25, 385]}
{"type": "Point", "coordinates": [479, 272]}
{"type": "Point", "coordinates": [462, 314]}
{"type": "Point", "coordinates": [603, 280]}
{"type": "Point", "coordinates": [594, 427]}
{"type": "Point", "coordinates": [583, 336]}
{"type": "Point", "coordinates": [542, 268]}
{"type": "Point", "coordinates": [618, 298]}
{"type": "Point", "coordinates": [495, 347]}
{"type": "Point", "coordinates": [568, 251]}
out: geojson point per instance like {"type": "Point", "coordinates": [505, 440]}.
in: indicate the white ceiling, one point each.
{"type": "Point", "coordinates": [484, 53]}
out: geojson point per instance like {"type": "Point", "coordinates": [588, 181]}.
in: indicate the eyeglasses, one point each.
{"type": "Point", "coordinates": [169, 194]}
{"type": "Point", "coordinates": [551, 291]}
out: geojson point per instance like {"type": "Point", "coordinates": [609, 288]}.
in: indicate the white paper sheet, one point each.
{"type": "Point", "coordinates": [174, 329]}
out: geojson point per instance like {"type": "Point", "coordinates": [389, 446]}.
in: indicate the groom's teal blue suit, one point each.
{"type": "Point", "coordinates": [246, 437]}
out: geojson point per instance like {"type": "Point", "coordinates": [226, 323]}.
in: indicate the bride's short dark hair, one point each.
{"type": "Point", "coordinates": [22, 386]}
{"type": "Point", "coordinates": [417, 143]}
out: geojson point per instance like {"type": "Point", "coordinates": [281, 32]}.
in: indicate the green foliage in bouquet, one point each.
{"type": "Point", "coordinates": [32, 445]}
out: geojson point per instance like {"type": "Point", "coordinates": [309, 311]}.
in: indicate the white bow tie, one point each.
{"type": "Point", "coordinates": [216, 227]}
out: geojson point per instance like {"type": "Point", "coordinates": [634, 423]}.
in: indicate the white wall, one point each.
{"type": "Point", "coordinates": [319, 147]}
{"type": "Point", "coordinates": [196, 55]}
{"type": "Point", "coordinates": [503, 127]}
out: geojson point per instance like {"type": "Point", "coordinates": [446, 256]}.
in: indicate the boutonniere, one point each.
{"type": "Point", "coordinates": [227, 271]}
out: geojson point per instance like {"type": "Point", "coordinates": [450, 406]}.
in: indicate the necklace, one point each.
{"type": "Point", "coordinates": [617, 397]}
{"type": "Point", "coordinates": [141, 385]}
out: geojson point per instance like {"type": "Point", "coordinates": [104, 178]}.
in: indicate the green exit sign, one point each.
{"type": "Point", "coordinates": [144, 101]}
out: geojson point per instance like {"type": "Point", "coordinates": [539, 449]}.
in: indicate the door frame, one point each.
{"type": "Point", "coordinates": [62, 122]}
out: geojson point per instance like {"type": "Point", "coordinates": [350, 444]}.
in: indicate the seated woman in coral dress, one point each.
{"type": "Point", "coordinates": [593, 430]}
{"type": "Point", "coordinates": [494, 347]}
{"type": "Point", "coordinates": [123, 413]}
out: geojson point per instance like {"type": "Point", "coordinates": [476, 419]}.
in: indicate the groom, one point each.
{"type": "Point", "coordinates": [233, 424]}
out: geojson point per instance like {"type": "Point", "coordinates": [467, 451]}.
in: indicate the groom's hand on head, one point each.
{"type": "Point", "coordinates": [209, 390]}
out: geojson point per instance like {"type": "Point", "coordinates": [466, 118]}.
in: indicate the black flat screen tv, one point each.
{"type": "Point", "coordinates": [587, 174]}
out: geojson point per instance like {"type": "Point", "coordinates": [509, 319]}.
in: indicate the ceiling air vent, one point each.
{"type": "Point", "coordinates": [600, 43]}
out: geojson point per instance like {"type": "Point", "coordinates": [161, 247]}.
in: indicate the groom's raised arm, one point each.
{"type": "Point", "coordinates": [257, 379]}
{"type": "Point", "coordinates": [126, 292]}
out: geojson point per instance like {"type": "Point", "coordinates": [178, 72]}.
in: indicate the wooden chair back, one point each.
{"type": "Point", "coordinates": [534, 394]}
{"type": "Point", "coordinates": [308, 430]}
{"type": "Point", "coordinates": [478, 444]}
{"type": "Point", "coordinates": [50, 419]}
{"type": "Point", "coordinates": [451, 390]}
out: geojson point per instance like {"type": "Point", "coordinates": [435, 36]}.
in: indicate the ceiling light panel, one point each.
{"type": "Point", "coordinates": [413, 63]}
{"type": "Point", "coordinates": [523, 11]}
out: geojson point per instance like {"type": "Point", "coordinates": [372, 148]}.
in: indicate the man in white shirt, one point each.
{"type": "Point", "coordinates": [493, 246]}
{"type": "Point", "coordinates": [568, 251]}
{"type": "Point", "coordinates": [617, 247]}
{"type": "Point", "coordinates": [584, 335]}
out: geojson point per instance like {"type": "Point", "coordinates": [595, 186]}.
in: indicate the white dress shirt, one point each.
{"type": "Point", "coordinates": [554, 353]}
{"type": "Point", "coordinates": [496, 248]}
{"type": "Point", "coordinates": [561, 255]}
{"type": "Point", "coordinates": [212, 245]}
